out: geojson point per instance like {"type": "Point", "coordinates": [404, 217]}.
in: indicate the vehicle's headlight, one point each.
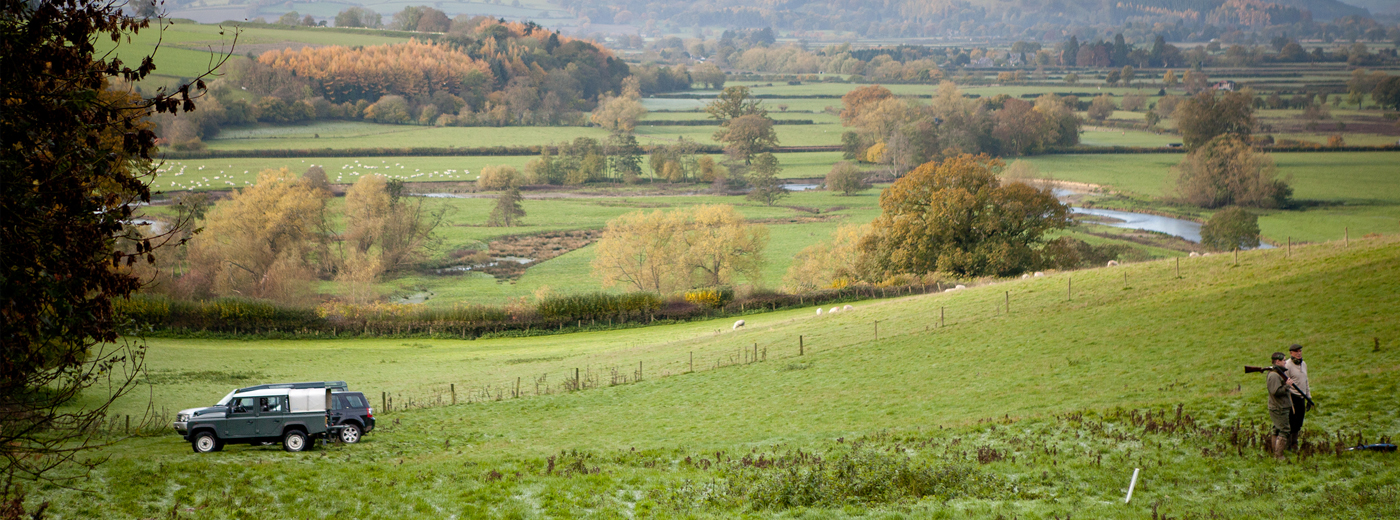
{"type": "Point", "coordinates": [182, 417]}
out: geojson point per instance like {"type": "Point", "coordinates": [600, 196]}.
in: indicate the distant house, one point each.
{"type": "Point", "coordinates": [1226, 85]}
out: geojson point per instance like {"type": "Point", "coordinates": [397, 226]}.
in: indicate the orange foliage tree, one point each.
{"type": "Point", "coordinates": [408, 69]}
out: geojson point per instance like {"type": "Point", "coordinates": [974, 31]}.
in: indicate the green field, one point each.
{"type": "Point", "coordinates": [225, 174]}
{"type": "Point", "coordinates": [1038, 395]}
{"type": "Point", "coordinates": [1359, 191]}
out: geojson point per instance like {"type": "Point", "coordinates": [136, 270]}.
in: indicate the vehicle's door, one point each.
{"type": "Point", "coordinates": [272, 412]}
{"type": "Point", "coordinates": [243, 413]}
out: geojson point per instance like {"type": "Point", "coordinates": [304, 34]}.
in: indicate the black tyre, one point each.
{"type": "Point", "coordinates": [294, 441]}
{"type": "Point", "coordinates": [206, 442]}
{"type": "Point", "coordinates": [350, 434]}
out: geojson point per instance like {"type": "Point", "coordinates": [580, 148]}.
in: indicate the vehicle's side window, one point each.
{"type": "Point", "coordinates": [271, 404]}
{"type": "Point", "coordinates": [244, 404]}
{"type": "Point", "coordinates": [338, 402]}
{"type": "Point", "coordinates": [355, 401]}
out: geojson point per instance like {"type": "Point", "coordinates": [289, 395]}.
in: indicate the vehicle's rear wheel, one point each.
{"type": "Point", "coordinates": [350, 434]}
{"type": "Point", "coordinates": [206, 442]}
{"type": "Point", "coordinates": [294, 441]}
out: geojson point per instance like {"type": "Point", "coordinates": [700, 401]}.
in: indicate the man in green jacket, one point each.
{"type": "Point", "coordinates": [1280, 406]}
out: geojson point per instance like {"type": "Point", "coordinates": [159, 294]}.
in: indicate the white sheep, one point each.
{"type": "Point", "coordinates": [1039, 274]}
{"type": "Point", "coordinates": [960, 286]}
{"type": "Point", "coordinates": [738, 324]}
{"type": "Point", "coordinates": [1025, 276]}
{"type": "Point", "coordinates": [1113, 263]}
{"type": "Point", "coordinates": [1195, 254]}
{"type": "Point", "coordinates": [819, 311]}
{"type": "Point", "coordinates": [834, 310]}
{"type": "Point", "coordinates": [847, 308]}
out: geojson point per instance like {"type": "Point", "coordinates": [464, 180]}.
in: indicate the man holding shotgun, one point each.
{"type": "Point", "coordinates": [1280, 405]}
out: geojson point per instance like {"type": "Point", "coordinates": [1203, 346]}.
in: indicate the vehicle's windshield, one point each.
{"type": "Point", "coordinates": [226, 399]}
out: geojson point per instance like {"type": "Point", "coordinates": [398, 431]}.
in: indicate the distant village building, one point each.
{"type": "Point", "coordinates": [1226, 85]}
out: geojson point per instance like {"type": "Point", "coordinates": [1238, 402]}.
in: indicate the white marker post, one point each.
{"type": "Point", "coordinates": [1131, 485]}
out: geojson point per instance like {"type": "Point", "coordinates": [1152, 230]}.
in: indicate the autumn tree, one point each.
{"type": "Point", "coordinates": [747, 135]}
{"type": "Point", "coordinates": [382, 222]}
{"type": "Point", "coordinates": [1230, 229]}
{"type": "Point", "coordinates": [618, 114]}
{"type": "Point", "coordinates": [828, 264]}
{"type": "Point", "coordinates": [1202, 117]}
{"type": "Point", "coordinates": [508, 210]}
{"type": "Point", "coordinates": [700, 246]}
{"type": "Point", "coordinates": [502, 177]}
{"type": "Point", "coordinates": [956, 216]}
{"type": "Point", "coordinates": [642, 250]}
{"type": "Point", "coordinates": [764, 185]}
{"type": "Point", "coordinates": [77, 165]}
{"type": "Point", "coordinates": [735, 102]}
{"type": "Point", "coordinates": [260, 242]}
{"type": "Point", "coordinates": [720, 246]}
{"type": "Point", "coordinates": [709, 75]}
{"type": "Point", "coordinates": [846, 178]}
{"type": "Point", "coordinates": [1101, 107]}
{"type": "Point", "coordinates": [858, 100]}
{"type": "Point", "coordinates": [1227, 171]}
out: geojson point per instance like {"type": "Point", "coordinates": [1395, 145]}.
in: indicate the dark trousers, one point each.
{"type": "Point", "coordinates": [1295, 419]}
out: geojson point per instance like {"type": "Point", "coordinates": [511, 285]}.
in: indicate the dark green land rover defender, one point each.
{"type": "Point", "coordinates": [293, 417]}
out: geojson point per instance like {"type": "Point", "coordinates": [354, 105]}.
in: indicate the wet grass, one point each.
{"type": "Point", "coordinates": [1043, 411]}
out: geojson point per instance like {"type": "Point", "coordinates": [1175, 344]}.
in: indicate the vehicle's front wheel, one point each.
{"type": "Point", "coordinates": [350, 434]}
{"type": "Point", "coordinates": [294, 441]}
{"type": "Point", "coordinates": [206, 442]}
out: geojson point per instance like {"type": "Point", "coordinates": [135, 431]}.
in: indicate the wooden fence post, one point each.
{"type": "Point", "coordinates": [1070, 288]}
{"type": "Point", "coordinates": [1346, 236]}
{"type": "Point", "coordinates": [799, 344]}
{"type": "Point", "coordinates": [877, 330]}
{"type": "Point", "coordinates": [1008, 303]}
{"type": "Point", "coordinates": [1178, 267]}
{"type": "Point", "coordinates": [940, 317]}
{"type": "Point", "coordinates": [454, 393]}
{"type": "Point", "coordinates": [384, 401]}
{"type": "Point", "coordinates": [1290, 247]}
{"type": "Point", "coordinates": [692, 361]}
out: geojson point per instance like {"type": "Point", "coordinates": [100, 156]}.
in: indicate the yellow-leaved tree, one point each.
{"type": "Point", "coordinates": [665, 252]}
{"type": "Point", "coordinates": [384, 231]}
{"type": "Point", "coordinates": [828, 265]}
{"type": "Point", "coordinates": [262, 242]}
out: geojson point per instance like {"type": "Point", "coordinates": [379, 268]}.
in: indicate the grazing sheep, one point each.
{"type": "Point", "coordinates": [1195, 254]}
{"type": "Point", "coordinates": [738, 324]}
{"type": "Point", "coordinates": [819, 311]}
{"type": "Point", "coordinates": [834, 310]}
{"type": "Point", "coordinates": [1025, 276]}
{"type": "Point", "coordinates": [1039, 274]}
{"type": "Point", "coordinates": [961, 286]}
{"type": "Point", "coordinates": [1113, 263]}
{"type": "Point", "coordinates": [847, 308]}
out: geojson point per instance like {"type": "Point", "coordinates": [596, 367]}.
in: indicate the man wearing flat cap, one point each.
{"type": "Point", "coordinates": [1298, 372]}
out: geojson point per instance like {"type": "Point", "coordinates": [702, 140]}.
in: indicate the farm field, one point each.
{"type": "Point", "coordinates": [1356, 190]}
{"type": "Point", "coordinates": [1039, 412]}
{"type": "Point", "coordinates": [423, 172]}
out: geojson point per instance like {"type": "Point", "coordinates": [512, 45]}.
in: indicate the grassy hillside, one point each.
{"type": "Point", "coordinates": [1037, 413]}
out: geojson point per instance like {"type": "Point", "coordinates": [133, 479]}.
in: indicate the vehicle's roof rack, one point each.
{"type": "Point", "coordinates": [334, 385]}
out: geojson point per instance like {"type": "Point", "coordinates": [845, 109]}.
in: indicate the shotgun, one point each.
{"type": "Point", "coordinates": [1282, 372]}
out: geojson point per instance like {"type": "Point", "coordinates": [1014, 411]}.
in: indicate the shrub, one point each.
{"type": "Point", "coordinates": [713, 298]}
{"type": "Point", "coordinates": [501, 177]}
{"type": "Point", "coordinates": [846, 178]}
{"type": "Point", "coordinates": [1231, 228]}
{"type": "Point", "coordinates": [597, 305]}
{"type": "Point", "coordinates": [1102, 107]}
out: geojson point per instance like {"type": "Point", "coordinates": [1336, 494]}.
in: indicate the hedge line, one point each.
{"type": "Point", "coordinates": [234, 317]}
{"type": "Point", "coordinates": [713, 122]}
{"type": "Point", "coordinates": [428, 152]}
